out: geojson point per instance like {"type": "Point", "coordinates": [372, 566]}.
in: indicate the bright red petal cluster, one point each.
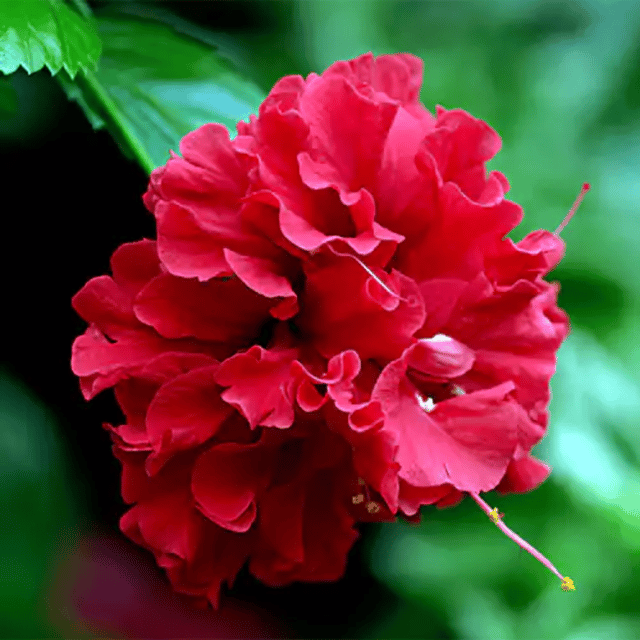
{"type": "Point", "coordinates": [330, 328]}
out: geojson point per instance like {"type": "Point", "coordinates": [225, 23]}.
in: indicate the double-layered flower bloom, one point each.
{"type": "Point", "coordinates": [331, 327]}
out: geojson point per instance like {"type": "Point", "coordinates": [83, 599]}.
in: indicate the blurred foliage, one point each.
{"type": "Point", "coordinates": [37, 509]}
{"type": "Point", "coordinates": [560, 82]}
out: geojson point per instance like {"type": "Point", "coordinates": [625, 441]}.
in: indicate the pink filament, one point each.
{"type": "Point", "coordinates": [585, 187]}
{"type": "Point", "coordinates": [369, 271]}
{"type": "Point", "coordinates": [516, 538]}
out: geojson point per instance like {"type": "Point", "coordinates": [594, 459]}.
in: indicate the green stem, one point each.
{"type": "Point", "coordinates": [111, 108]}
{"type": "Point", "coordinates": [120, 122]}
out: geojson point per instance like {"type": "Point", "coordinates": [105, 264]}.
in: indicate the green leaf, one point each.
{"type": "Point", "coordinates": [41, 33]}
{"type": "Point", "coordinates": [154, 86]}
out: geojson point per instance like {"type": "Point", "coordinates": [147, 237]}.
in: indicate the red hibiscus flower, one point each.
{"type": "Point", "coordinates": [330, 328]}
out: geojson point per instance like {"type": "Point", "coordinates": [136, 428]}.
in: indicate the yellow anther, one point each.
{"type": "Point", "coordinates": [495, 516]}
{"type": "Point", "coordinates": [373, 507]}
{"type": "Point", "coordinates": [361, 482]}
{"type": "Point", "coordinates": [357, 499]}
{"type": "Point", "coordinates": [567, 584]}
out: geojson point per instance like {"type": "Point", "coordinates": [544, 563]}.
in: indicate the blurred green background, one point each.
{"type": "Point", "coordinates": [560, 82]}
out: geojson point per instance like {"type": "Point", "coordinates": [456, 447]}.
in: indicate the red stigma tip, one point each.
{"type": "Point", "coordinates": [586, 186]}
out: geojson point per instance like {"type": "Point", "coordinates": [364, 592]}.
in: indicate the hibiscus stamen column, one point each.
{"type": "Point", "coordinates": [496, 518]}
